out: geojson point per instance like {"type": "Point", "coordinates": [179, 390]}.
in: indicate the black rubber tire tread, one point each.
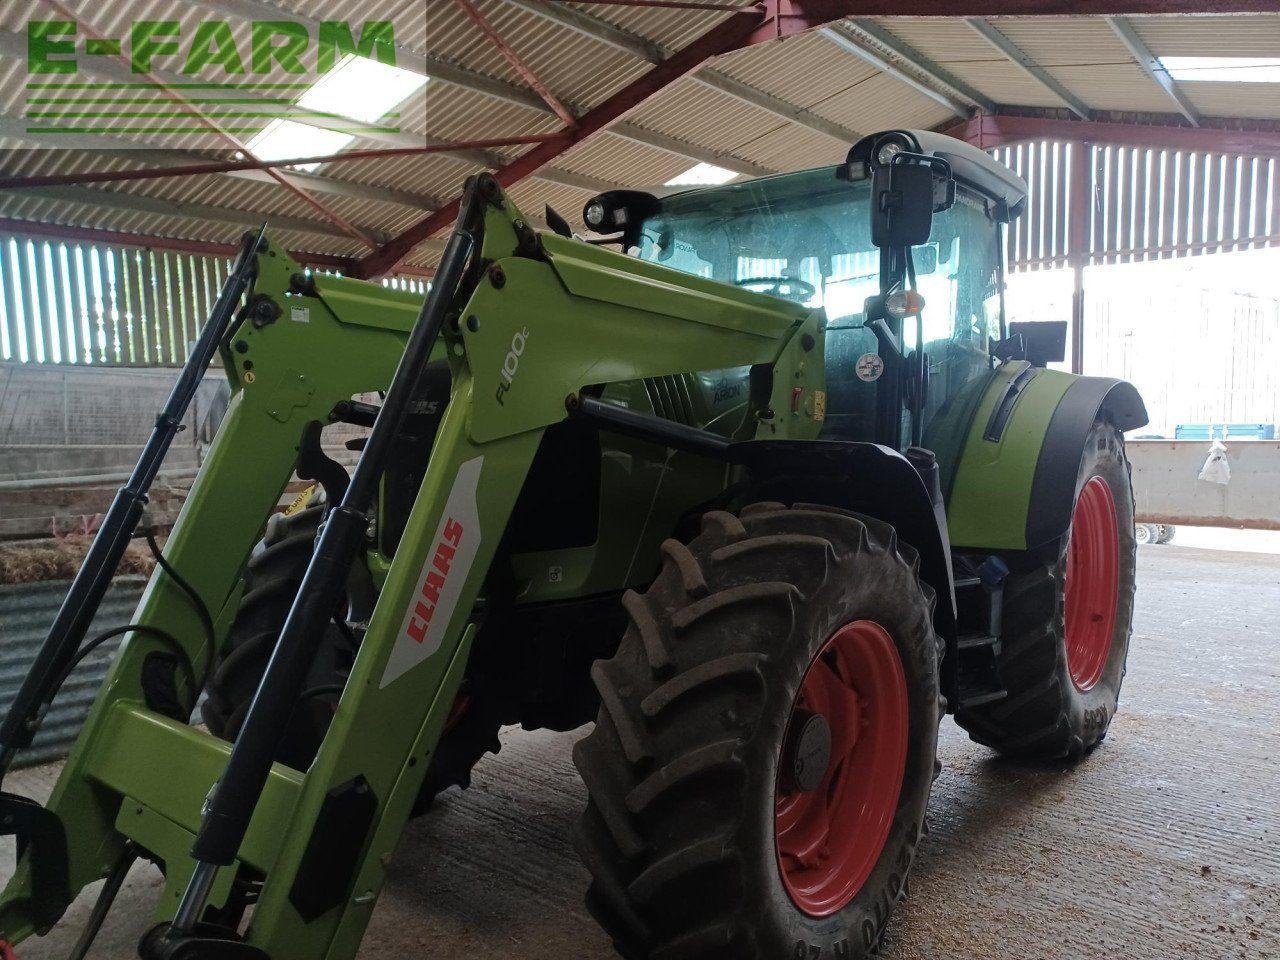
{"type": "Point", "coordinates": [1045, 716]}
{"type": "Point", "coordinates": [461, 747]}
{"type": "Point", "coordinates": [681, 766]}
{"type": "Point", "coordinates": [272, 578]}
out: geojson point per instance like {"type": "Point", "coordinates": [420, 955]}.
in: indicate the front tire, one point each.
{"type": "Point", "coordinates": [714, 829]}
{"type": "Point", "coordinates": [272, 579]}
{"type": "Point", "coordinates": [1066, 624]}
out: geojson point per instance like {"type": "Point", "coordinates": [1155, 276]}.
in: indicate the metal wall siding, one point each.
{"type": "Point", "coordinates": [1147, 204]}
{"type": "Point", "coordinates": [27, 611]}
{"type": "Point", "coordinates": [78, 303]}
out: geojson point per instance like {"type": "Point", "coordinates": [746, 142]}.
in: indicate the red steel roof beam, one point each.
{"type": "Point", "coordinates": [990, 131]}
{"type": "Point", "coordinates": [227, 166]}
{"type": "Point", "coordinates": [522, 68]}
{"type": "Point", "coordinates": [731, 33]}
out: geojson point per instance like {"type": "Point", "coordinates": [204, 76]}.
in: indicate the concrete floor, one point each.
{"type": "Point", "coordinates": [1165, 843]}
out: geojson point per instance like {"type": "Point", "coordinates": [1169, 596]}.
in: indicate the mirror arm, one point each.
{"type": "Point", "coordinates": [885, 337]}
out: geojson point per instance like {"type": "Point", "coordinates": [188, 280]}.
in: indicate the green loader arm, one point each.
{"type": "Point", "coordinates": [546, 318]}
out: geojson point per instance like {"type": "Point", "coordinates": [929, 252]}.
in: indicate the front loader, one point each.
{"type": "Point", "coordinates": [763, 492]}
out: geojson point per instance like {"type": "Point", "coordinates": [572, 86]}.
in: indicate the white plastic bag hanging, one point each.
{"type": "Point", "coordinates": [1216, 469]}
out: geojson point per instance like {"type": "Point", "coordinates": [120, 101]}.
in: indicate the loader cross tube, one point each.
{"type": "Point", "coordinates": [226, 819]}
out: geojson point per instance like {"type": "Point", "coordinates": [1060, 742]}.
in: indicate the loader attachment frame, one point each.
{"type": "Point", "coordinates": [317, 841]}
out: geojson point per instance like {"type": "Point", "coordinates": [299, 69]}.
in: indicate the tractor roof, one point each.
{"type": "Point", "coordinates": [971, 167]}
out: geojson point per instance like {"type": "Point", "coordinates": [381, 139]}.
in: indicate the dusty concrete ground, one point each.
{"type": "Point", "coordinates": [1164, 844]}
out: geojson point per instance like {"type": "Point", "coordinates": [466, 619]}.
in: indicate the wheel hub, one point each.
{"type": "Point", "coordinates": [807, 756]}
{"type": "Point", "coordinates": [841, 768]}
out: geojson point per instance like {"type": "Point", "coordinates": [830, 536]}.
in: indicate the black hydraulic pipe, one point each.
{"type": "Point", "coordinates": [642, 426]}
{"type": "Point", "coordinates": [94, 576]}
{"type": "Point", "coordinates": [356, 413]}
{"type": "Point", "coordinates": [226, 818]}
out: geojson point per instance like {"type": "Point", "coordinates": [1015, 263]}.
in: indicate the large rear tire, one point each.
{"type": "Point", "coordinates": [1066, 624]}
{"type": "Point", "coordinates": [272, 578]}
{"type": "Point", "coordinates": [766, 744]}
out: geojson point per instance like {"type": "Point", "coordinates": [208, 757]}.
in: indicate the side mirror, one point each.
{"type": "Point", "coordinates": [906, 193]}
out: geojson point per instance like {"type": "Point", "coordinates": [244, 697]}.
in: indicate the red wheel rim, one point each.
{"type": "Point", "coordinates": [829, 839]}
{"type": "Point", "coordinates": [1092, 586]}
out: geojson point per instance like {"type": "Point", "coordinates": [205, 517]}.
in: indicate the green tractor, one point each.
{"type": "Point", "coordinates": [756, 479]}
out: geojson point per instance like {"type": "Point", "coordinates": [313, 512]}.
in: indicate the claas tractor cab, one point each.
{"type": "Point", "coordinates": [757, 479]}
{"type": "Point", "coordinates": [810, 238]}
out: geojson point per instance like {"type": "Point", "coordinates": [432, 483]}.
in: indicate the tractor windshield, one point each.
{"type": "Point", "coordinates": [806, 237]}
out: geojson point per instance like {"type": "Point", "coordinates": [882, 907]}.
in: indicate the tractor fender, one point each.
{"type": "Point", "coordinates": [864, 477]}
{"type": "Point", "coordinates": [1053, 485]}
{"type": "Point", "coordinates": [1014, 485]}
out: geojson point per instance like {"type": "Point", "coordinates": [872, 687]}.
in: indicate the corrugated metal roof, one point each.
{"type": "Point", "coordinates": [1064, 41]}
{"type": "Point", "coordinates": [813, 74]}
{"type": "Point", "coordinates": [624, 160]}
{"type": "Point", "coordinates": [807, 72]}
{"type": "Point", "coordinates": [698, 114]}
{"type": "Point", "coordinates": [1240, 36]}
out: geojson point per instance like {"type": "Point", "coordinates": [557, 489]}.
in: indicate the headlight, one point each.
{"type": "Point", "coordinates": [593, 215]}
{"type": "Point", "coordinates": [888, 150]}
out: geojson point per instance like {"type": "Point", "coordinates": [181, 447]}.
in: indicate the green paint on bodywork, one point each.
{"type": "Point", "coordinates": [595, 273]}
{"type": "Point", "coordinates": [170, 843]}
{"type": "Point", "coordinates": [564, 345]}
{"type": "Point", "coordinates": [991, 491]}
